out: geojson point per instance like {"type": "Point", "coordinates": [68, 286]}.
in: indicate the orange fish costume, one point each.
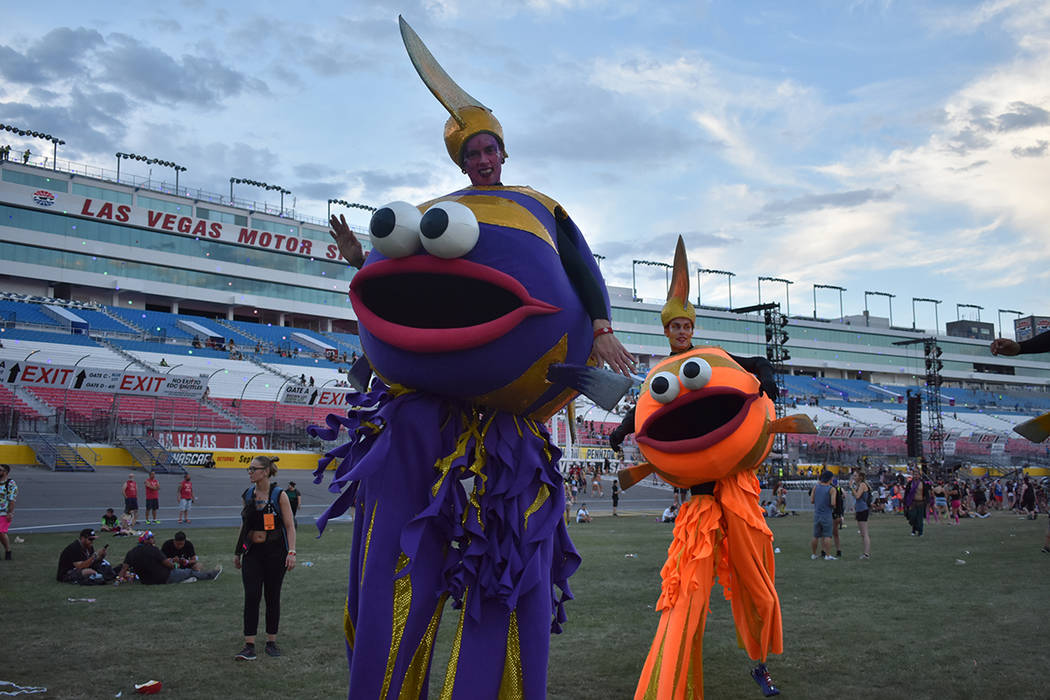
{"type": "Point", "coordinates": [702, 423]}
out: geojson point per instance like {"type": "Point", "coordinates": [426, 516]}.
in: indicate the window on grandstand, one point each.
{"type": "Point", "coordinates": [223, 216]}
{"type": "Point", "coordinates": [47, 183]}
{"type": "Point", "coordinates": [101, 193]}
{"type": "Point", "coordinates": [274, 227]}
{"type": "Point", "coordinates": [158, 273]}
{"type": "Point", "coordinates": [95, 230]}
{"type": "Point", "coordinates": [164, 205]}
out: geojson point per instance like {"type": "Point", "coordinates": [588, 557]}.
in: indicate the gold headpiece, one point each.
{"type": "Point", "coordinates": [469, 116]}
{"type": "Point", "coordinates": [678, 304]}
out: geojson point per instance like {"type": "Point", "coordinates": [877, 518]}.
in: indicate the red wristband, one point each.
{"type": "Point", "coordinates": [607, 330]}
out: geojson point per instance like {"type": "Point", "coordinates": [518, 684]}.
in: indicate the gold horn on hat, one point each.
{"type": "Point", "coordinates": [469, 116]}
{"type": "Point", "coordinates": [678, 304]}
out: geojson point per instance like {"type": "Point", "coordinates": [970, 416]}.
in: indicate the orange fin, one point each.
{"type": "Point", "coordinates": [798, 423]}
{"type": "Point", "coordinates": [632, 475]}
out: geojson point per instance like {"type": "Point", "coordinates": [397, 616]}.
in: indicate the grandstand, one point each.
{"type": "Point", "coordinates": [249, 303]}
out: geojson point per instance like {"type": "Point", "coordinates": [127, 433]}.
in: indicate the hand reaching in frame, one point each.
{"type": "Point", "coordinates": [607, 349]}
{"type": "Point", "coordinates": [349, 247]}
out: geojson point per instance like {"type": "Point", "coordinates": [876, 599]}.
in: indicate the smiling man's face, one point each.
{"type": "Point", "coordinates": [483, 160]}
{"type": "Point", "coordinates": [679, 334]}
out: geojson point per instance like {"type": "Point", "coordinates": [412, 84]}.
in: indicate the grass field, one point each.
{"type": "Point", "coordinates": [909, 623]}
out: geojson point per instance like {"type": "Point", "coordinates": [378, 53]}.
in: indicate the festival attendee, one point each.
{"type": "Point", "coordinates": [940, 500]}
{"type": "Point", "coordinates": [615, 496]}
{"type": "Point", "coordinates": [1026, 497]}
{"type": "Point", "coordinates": [916, 494]}
{"type": "Point", "coordinates": [822, 496]}
{"type": "Point", "coordinates": [980, 501]}
{"type": "Point", "coordinates": [110, 521]}
{"type": "Point", "coordinates": [265, 550]}
{"type": "Point", "coordinates": [152, 498]}
{"type": "Point", "coordinates": [8, 497]}
{"type": "Point", "coordinates": [955, 499]}
{"type": "Point", "coordinates": [837, 515]}
{"type": "Point", "coordinates": [153, 568]}
{"type": "Point", "coordinates": [79, 562]}
{"type": "Point", "coordinates": [131, 499]}
{"type": "Point", "coordinates": [181, 551]}
{"type": "Point", "coordinates": [294, 497]}
{"type": "Point", "coordinates": [582, 514]}
{"type": "Point", "coordinates": [670, 513]}
{"type": "Point", "coordinates": [862, 509]}
{"type": "Point", "coordinates": [186, 499]}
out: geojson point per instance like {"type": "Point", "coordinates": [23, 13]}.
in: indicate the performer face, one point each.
{"type": "Point", "coordinates": [679, 334]}
{"type": "Point", "coordinates": [483, 160]}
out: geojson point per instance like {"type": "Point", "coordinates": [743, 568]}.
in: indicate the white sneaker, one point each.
{"type": "Point", "coordinates": [828, 557]}
{"type": "Point", "coordinates": [812, 556]}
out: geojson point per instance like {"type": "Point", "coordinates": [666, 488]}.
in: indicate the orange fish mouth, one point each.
{"type": "Point", "coordinates": [696, 420]}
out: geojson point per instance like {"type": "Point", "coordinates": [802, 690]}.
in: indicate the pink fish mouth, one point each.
{"type": "Point", "coordinates": [427, 304]}
{"type": "Point", "coordinates": [696, 420]}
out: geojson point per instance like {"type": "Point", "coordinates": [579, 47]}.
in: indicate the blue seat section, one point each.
{"type": "Point", "coordinates": [276, 337]}
{"type": "Point", "coordinates": [25, 312]}
{"type": "Point", "coordinates": [21, 335]}
{"type": "Point", "coordinates": [855, 389]}
{"type": "Point", "coordinates": [154, 322]}
{"type": "Point", "coordinates": [346, 341]}
{"type": "Point", "coordinates": [98, 321]}
{"type": "Point", "coordinates": [171, 349]}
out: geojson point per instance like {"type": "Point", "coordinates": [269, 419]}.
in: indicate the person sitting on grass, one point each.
{"type": "Point", "coordinates": [582, 514]}
{"type": "Point", "coordinates": [670, 513]}
{"type": "Point", "coordinates": [80, 563]}
{"type": "Point", "coordinates": [153, 568]}
{"type": "Point", "coordinates": [110, 521]}
{"type": "Point", "coordinates": [181, 551]}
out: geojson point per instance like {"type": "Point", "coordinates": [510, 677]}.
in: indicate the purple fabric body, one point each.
{"type": "Point", "coordinates": [483, 554]}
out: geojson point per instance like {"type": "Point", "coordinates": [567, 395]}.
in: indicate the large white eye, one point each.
{"type": "Point", "coordinates": [695, 373]}
{"type": "Point", "coordinates": [449, 230]}
{"type": "Point", "coordinates": [394, 229]}
{"type": "Point", "coordinates": [664, 387]}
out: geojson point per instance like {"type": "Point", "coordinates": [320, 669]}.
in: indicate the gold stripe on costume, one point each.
{"type": "Point", "coordinates": [453, 657]}
{"type": "Point", "coordinates": [511, 686]}
{"type": "Point", "coordinates": [499, 211]}
{"type": "Point", "coordinates": [519, 394]}
{"type": "Point", "coordinates": [416, 674]}
{"type": "Point", "coordinates": [653, 689]}
{"type": "Point", "coordinates": [536, 431]}
{"type": "Point", "coordinates": [348, 624]}
{"type": "Point", "coordinates": [444, 465]}
{"type": "Point", "coordinates": [402, 603]}
{"type": "Point", "coordinates": [368, 541]}
{"type": "Point", "coordinates": [542, 494]}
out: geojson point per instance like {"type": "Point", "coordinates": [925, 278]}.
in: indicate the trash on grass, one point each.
{"type": "Point", "coordinates": [148, 688]}
{"type": "Point", "coordinates": [81, 600]}
{"type": "Point", "coordinates": [630, 556]}
{"type": "Point", "coordinates": [959, 562]}
{"type": "Point", "coordinates": [776, 550]}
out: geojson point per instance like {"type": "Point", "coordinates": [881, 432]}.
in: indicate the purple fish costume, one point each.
{"type": "Point", "coordinates": [464, 304]}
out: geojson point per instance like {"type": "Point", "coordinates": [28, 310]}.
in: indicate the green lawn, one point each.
{"type": "Point", "coordinates": [909, 623]}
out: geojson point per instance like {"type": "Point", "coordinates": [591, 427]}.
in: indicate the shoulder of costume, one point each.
{"type": "Point", "coordinates": [550, 204]}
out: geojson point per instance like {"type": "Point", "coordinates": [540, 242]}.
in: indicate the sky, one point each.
{"type": "Point", "coordinates": [898, 147]}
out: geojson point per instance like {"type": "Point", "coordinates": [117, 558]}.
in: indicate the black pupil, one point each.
{"type": "Point", "coordinates": [661, 385]}
{"type": "Point", "coordinates": [434, 223]}
{"type": "Point", "coordinates": [691, 370]}
{"type": "Point", "coordinates": [383, 222]}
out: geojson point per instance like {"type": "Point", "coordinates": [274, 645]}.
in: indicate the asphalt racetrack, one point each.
{"type": "Point", "coordinates": [69, 501]}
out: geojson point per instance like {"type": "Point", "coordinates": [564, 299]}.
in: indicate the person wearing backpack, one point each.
{"type": "Point", "coordinates": [265, 551]}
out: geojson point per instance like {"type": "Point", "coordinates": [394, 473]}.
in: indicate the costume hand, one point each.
{"type": "Point", "coordinates": [608, 349]}
{"type": "Point", "coordinates": [615, 440]}
{"type": "Point", "coordinates": [349, 246]}
{"type": "Point", "coordinates": [1005, 346]}
{"type": "Point", "coordinates": [768, 386]}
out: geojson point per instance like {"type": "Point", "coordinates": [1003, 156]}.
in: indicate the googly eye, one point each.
{"type": "Point", "coordinates": [449, 230]}
{"type": "Point", "coordinates": [695, 373]}
{"type": "Point", "coordinates": [394, 229]}
{"type": "Point", "coordinates": [664, 387]}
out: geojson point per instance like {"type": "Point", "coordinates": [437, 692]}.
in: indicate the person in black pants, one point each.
{"type": "Point", "coordinates": [265, 551]}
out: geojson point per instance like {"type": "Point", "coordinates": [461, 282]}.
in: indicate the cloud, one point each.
{"type": "Point", "coordinates": [775, 213]}
{"type": "Point", "coordinates": [59, 54]}
{"type": "Point", "coordinates": [1023, 116]}
{"type": "Point", "coordinates": [1039, 149]}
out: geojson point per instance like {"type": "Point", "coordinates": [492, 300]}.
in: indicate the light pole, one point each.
{"type": "Point", "coordinates": [787, 298]}
{"type": "Point", "coordinates": [1006, 311]}
{"type": "Point", "coordinates": [263, 185]}
{"type": "Point", "coordinates": [55, 141]}
{"type": "Point", "coordinates": [151, 161]}
{"type": "Point", "coordinates": [840, 290]}
{"type": "Point", "coordinates": [729, 279]}
{"type": "Point", "coordinates": [598, 259]}
{"type": "Point", "coordinates": [967, 306]}
{"type": "Point", "coordinates": [653, 263]}
{"type": "Point", "coordinates": [936, 321]}
{"type": "Point", "coordinates": [888, 296]}
{"type": "Point", "coordinates": [352, 205]}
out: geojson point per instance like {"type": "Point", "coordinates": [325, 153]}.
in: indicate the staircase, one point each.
{"type": "Point", "coordinates": [240, 331]}
{"type": "Point", "coordinates": [120, 319]}
{"type": "Point", "coordinates": [150, 454]}
{"type": "Point", "coordinates": [54, 452]}
{"type": "Point", "coordinates": [32, 401]}
{"type": "Point", "coordinates": [231, 416]}
{"type": "Point", "coordinates": [272, 370]}
{"type": "Point", "coordinates": [125, 354]}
